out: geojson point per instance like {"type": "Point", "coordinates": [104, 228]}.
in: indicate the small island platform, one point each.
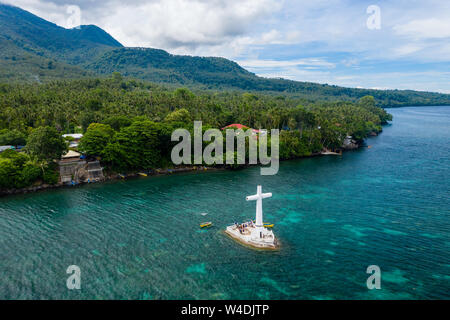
{"type": "Point", "coordinates": [252, 236]}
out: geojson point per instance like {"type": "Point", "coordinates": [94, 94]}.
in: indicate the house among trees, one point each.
{"type": "Point", "coordinates": [71, 156]}
{"type": "Point", "coordinates": [74, 139]}
{"type": "Point", "coordinates": [236, 126]}
{"type": "Point", "coordinates": [73, 169]}
{"type": "Point", "coordinates": [4, 148]}
{"type": "Point", "coordinates": [255, 132]}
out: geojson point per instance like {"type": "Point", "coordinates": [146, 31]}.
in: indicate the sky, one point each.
{"type": "Point", "coordinates": [370, 44]}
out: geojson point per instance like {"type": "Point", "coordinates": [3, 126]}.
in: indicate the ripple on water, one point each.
{"type": "Point", "coordinates": [396, 276]}
{"type": "Point", "coordinates": [356, 231]}
{"type": "Point", "coordinates": [394, 232]}
{"type": "Point", "coordinates": [274, 284]}
{"type": "Point", "coordinates": [197, 268]}
{"type": "Point", "coordinates": [431, 236]}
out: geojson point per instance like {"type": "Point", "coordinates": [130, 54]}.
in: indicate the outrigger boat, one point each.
{"type": "Point", "coordinates": [206, 224]}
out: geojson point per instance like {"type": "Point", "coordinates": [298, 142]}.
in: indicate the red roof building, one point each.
{"type": "Point", "coordinates": [235, 126]}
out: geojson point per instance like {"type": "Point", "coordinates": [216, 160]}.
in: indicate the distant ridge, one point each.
{"type": "Point", "coordinates": [95, 35]}
{"type": "Point", "coordinates": [33, 49]}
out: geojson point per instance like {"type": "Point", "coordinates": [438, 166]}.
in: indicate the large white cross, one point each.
{"type": "Point", "coordinates": [258, 197]}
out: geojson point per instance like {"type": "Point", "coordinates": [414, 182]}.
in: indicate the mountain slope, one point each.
{"type": "Point", "coordinates": [44, 38]}
{"type": "Point", "coordinates": [160, 66]}
{"type": "Point", "coordinates": [95, 35]}
{"type": "Point", "coordinates": [32, 48]}
{"type": "Point", "coordinates": [19, 65]}
{"type": "Point", "coordinates": [218, 73]}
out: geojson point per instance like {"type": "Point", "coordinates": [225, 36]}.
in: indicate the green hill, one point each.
{"type": "Point", "coordinates": [33, 49]}
{"type": "Point", "coordinates": [44, 38]}
{"type": "Point", "coordinates": [20, 65]}
{"type": "Point", "coordinates": [160, 66]}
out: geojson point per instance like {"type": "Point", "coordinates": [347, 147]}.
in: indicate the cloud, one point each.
{"type": "Point", "coordinates": [286, 63]}
{"type": "Point", "coordinates": [168, 24]}
{"type": "Point", "coordinates": [308, 69]}
{"type": "Point", "coordinates": [232, 28]}
{"type": "Point", "coordinates": [325, 41]}
{"type": "Point", "coordinates": [50, 11]}
{"type": "Point", "coordinates": [276, 37]}
{"type": "Point", "coordinates": [407, 49]}
{"type": "Point", "coordinates": [173, 24]}
{"type": "Point", "coordinates": [425, 28]}
{"type": "Point", "coordinates": [350, 62]}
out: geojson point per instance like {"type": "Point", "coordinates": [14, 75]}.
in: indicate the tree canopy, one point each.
{"type": "Point", "coordinates": [96, 138]}
{"type": "Point", "coordinates": [46, 143]}
{"type": "Point", "coordinates": [128, 124]}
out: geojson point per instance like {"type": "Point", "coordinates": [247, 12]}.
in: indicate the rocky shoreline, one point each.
{"type": "Point", "coordinates": [108, 177]}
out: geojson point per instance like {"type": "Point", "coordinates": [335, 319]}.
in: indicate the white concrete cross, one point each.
{"type": "Point", "coordinates": [258, 197]}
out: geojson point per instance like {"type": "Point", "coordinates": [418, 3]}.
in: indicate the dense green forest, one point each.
{"type": "Point", "coordinates": [35, 50]}
{"type": "Point", "coordinates": [128, 123]}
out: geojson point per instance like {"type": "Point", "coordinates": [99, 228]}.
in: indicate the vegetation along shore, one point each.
{"type": "Point", "coordinates": [127, 125]}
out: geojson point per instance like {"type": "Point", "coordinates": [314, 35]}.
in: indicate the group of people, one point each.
{"type": "Point", "coordinates": [241, 227]}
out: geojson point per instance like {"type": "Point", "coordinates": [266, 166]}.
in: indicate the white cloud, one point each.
{"type": "Point", "coordinates": [407, 49]}
{"type": "Point", "coordinates": [314, 62]}
{"type": "Point", "coordinates": [182, 25]}
{"type": "Point", "coordinates": [311, 69]}
{"type": "Point", "coordinates": [276, 37]}
{"type": "Point", "coordinates": [273, 38]}
{"type": "Point", "coordinates": [425, 28]}
{"type": "Point", "coordinates": [350, 62]}
{"type": "Point", "coordinates": [231, 28]}
{"type": "Point", "coordinates": [172, 24]}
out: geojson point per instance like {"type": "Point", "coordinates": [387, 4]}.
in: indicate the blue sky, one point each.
{"type": "Point", "coordinates": [318, 41]}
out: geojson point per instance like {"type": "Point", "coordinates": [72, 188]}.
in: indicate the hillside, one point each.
{"type": "Point", "coordinates": [19, 65]}
{"type": "Point", "coordinates": [33, 49]}
{"type": "Point", "coordinates": [160, 66]}
{"type": "Point", "coordinates": [42, 38]}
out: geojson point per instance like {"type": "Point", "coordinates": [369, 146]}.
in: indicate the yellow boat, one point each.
{"type": "Point", "coordinates": [142, 174]}
{"type": "Point", "coordinates": [205, 224]}
{"type": "Point", "coordinates": [266, 224]}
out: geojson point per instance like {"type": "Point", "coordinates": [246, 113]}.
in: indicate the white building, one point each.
{"type": "Point", "coordinates": [4, 148]}
{"type": "Point", "coordinates": [76, 139]}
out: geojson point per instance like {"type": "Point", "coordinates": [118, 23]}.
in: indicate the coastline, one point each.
{"type": "Point", "coordinates": [108, 177]}
{"type": "Point", "coordinates": [152, 173]}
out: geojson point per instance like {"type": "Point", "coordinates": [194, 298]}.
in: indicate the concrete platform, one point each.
{"type": "Point", "coordinates": [256, 237]}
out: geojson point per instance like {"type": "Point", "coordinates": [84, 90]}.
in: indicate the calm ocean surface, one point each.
{"type": "Point", "coordinates": [388, 205]}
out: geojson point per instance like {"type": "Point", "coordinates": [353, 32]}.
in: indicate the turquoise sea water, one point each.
{"type": "Point", "coordinates": [140, 239]}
